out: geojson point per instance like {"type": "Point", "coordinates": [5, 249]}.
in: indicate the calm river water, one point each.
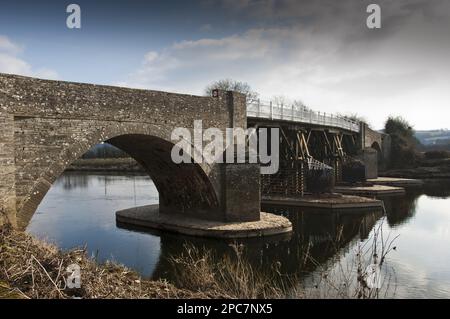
{"type": "Point", "coordinates": [79, 210]}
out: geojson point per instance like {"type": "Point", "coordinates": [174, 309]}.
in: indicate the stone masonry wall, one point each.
{"type": "Point", "coordinates": [371, 137]}
{"type": "Point", "coordinates": [49, 124]}
{"type": "Point", "coordinates": [7, 169]}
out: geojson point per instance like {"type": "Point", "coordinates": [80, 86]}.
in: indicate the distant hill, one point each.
{"type": "Point", "coordinates": [434, 139]}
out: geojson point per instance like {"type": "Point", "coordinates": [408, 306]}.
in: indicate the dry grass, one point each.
{"type": "Point", "coordinates": [351, 277]}
{"type": "Point", "coordinates": [230, 276]}
{"type": "Point", "coordinates": [32, 269]}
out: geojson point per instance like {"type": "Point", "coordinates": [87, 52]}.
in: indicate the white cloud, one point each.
{"type": "Point", "coordinates": [11, 62]}
{"type": "Point", "coordinates": [326, 57]}
{"type": "Point", "coordinates": [8, 46]}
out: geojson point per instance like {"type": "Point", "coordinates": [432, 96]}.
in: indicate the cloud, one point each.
{"type": "Point", "coordinates": [322, 53]}
{"type": "Point", "coordinates": [206, 27]}
{"type": "Point", "coordinates": [11, 62]}
{"type": "Point", "coordinates": [8, 46]}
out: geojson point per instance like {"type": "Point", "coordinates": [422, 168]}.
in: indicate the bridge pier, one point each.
{"type": "Point", "coordinates": [240, 210]}
{"type": "Point", "coordinates": [369, 157]}
{"type": "Point", "coordinates": [241, 192]}
{"type": "Point", "coordinates": [149, 218]}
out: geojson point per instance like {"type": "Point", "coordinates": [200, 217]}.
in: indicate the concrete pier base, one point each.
{"type": "Point", "coordinates": [370, 190]}
{"type": "Point", "coordinates": [398, 182]}
{"type": "Point", "coordinates": [149, 216]}
{"type": "Point", "coordinates": [329, 201]}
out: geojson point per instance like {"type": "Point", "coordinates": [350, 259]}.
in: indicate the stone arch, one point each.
{"type": "Point", "coordinates": [183, 188]}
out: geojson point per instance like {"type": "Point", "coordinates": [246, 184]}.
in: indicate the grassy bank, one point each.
{"type": "Point", "coordinates": [425, 168]}
{"type": "Point", "coordinates": [30, 268]}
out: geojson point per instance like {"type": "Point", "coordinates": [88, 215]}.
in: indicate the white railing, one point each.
{"type": "Point", "coordinates": [295, 113]}
{"type": "Point", "coordinates": [314, 164]}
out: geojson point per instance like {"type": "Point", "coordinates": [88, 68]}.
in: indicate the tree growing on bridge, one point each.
{"type": "Point", "coordinates": [355, 117]}
{"type": "Point", "coordinates": [403, 142]}
{"type": "Point", "coordinates": [232, 85]}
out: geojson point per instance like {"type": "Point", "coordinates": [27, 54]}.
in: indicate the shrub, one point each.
{"type": "Point", "coordinates": [403, 143]}
{"type": "Point", "coordinates": [353, 171]}
{"type": "Point", "coordinates": [319, 181]}
{"type": "Point", "coordinates": [437, 154]}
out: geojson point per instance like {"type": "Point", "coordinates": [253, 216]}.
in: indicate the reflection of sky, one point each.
{"type": "Point", "coordinates": [418, 268]}
{"type": "Point", "coordinates": [422, 260]}
{"type": "Point", "coordinates": [84, 213]}
{"type": "Point", "coordinates": [79, 210]}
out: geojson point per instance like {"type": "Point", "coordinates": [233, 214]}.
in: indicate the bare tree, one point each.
{"type": "Point", "coordinates": [280, 100]}
{"type": "Point", "coordinates": [232, 85]}
{"type": "Point", "coordinates": [300, 105]}
{"type": "Point", "coordinates": [284, 100]}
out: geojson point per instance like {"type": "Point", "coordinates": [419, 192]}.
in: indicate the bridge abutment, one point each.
{"type": "Point", "coordinates": [369, 157]}
{"type": "Point", "coordinates": [7, 172]}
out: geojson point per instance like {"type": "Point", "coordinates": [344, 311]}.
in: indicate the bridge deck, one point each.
{"type": "Point", "coordinates": [299, 114]}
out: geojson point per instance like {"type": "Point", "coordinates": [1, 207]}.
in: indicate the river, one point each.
{"type": "Point", "coordinates": [79, 210]}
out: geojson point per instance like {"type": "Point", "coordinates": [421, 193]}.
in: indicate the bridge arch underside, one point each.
{"type": "Point", "coordinates": [185, 188]}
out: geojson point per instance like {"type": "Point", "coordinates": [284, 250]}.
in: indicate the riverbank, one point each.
{"type": "Point", "coordinates": [30, 268]}
{"type": "Point", "coordinates": [425, 169]}
{"type": "Point", "coordinates": [106, 165]}
{"type": "Point", "coordinates": [34, 269]}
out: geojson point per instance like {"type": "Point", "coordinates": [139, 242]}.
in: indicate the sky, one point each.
{"type": "Point", "coordinates": [317, 51]}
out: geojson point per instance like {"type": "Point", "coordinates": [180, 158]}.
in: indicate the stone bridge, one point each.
{"type": "Point", "coordinates": [46, 125]}
{"type": "Point", "coordinates": [376, 149]}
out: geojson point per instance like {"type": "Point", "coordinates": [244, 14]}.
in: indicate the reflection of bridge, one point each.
{"type": "Point", "coordinates": [46, 125]}
{"type": "Point", "coordinates": [319, 236]}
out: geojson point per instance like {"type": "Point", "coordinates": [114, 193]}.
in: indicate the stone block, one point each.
{"type": "Point", "coordinates": [242, 198]}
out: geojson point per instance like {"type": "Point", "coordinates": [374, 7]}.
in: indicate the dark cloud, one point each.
{"type": "Point", "coordinates": [319, 51]}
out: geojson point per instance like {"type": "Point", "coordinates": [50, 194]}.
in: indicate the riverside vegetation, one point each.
{"type": "Point", "coordinates": [408, 159]}
{"type": "Point", "coordinates": [31, 268]}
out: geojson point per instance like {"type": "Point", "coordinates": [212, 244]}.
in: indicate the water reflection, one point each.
{"type": "Point", "coordinates": [436, 189]}
{"type": "Point", "coordinates": [399, 211]}
{"type": "Point", "coordinates": [79, 210]}
{"type": "Point", "coordinates": [72, 181]}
